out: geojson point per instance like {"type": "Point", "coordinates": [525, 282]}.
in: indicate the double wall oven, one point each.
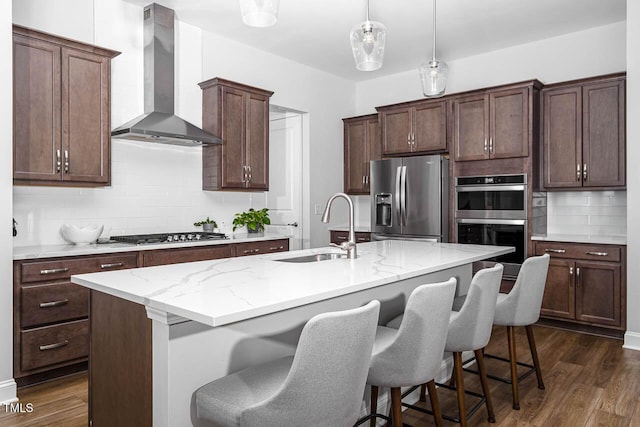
{"type": "Point", "coordinates": [492, 210]}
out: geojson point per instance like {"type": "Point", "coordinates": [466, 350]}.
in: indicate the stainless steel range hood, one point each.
{"type": "Point", "coordinates": [159, 123]}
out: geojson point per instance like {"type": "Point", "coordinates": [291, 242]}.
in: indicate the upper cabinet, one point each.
{"type": "Point", "coordinates": [584, 134]}
{"type": "Point", "coordinates": [61, 114]}
{"type": "Point", "coordinates": [239, 114]}
{"type": "Point", "coordinates": [494, 124]}
{"type": "Point", "coordinates": [416, 127]}
{"type": "Point", "coordinates": [361, 144]}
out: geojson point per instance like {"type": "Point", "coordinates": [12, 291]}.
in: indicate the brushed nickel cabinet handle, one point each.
{"type": "Point", "coordinates": [53, 346]}
{"type": "Point", "coordinates": [58, 161]}
{"type": "Point", "coordinates": [486, 147]}
{"type": "Point", "coordinates": [597, 253]}
{"type": "Point", "coordinates": [66, 161]}
{"type": "Point", "coordinates": [578, 276]}
{"type": "Point", "coordinates": [54, 270]}
{"type": "Point", "coordinates": [570, 271]}
{"type": "Point", "coordinates": [578, 173]}
{"type": "Point", "coordinates": [54, 303]}
{"type": "Point", "coordinates": [250, 175]}
{"type": "Point", "coordinates": [555, 251]}
{"type": "Point", "coordinates": [361, 239]}
{"type": "Point", "coordinates": [244, 173]}
{"type": "Point", "coordinates": [584, 171]}
{"type": "Point", "coordinates": [111, 265]}
{"type": "Point", "coordinates": [343, 238]}
{"type": "Point", "coordinates": [275, 248]}
{"type": "Point", "coordinates": [491, 148]}
{"type": "Point", "coordinates": [251, 251]}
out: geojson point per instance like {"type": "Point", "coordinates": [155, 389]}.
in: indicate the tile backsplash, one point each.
{"type": "Point", "coordinates": [587, 212]}
{"type": "Point", "coordinates": [154, 188]}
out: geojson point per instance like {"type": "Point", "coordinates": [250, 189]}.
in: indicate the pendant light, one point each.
{"type": "Point", "coordinates": [434, 73]}
{"type": "Point", "coordinates": [259, 13]}
{"type": "Point", "coordinates": [367, 44]}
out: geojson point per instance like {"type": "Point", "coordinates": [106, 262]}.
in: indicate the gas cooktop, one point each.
{"type": "Point", "coordinates": [192, 236]}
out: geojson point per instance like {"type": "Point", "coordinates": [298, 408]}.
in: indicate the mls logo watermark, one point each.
{"type": "Point", "coordinates": [18, 408]}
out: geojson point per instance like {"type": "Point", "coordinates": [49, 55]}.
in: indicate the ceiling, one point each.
{"type": "Point", "coordinates": [316, 33]}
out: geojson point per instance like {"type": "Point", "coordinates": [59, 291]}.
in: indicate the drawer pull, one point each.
{"type": "Point", "coordinates": [555, 251]}
{"type": "Point", "coordinates": [53, 346]}
{"type": "Point", "coordinates": [111, 265]}
{"type": "Point", "coordinates": [275, 248]}
{"type": "Point", "coordinates": [54, 303]}
{"type": "Point", "coordinates": [54, 270]}
{"type": "Point", "coordinates": [597, 253]}
{"type": "Point", "coordinates": [341, 238]}
{"type": "Point", "coordinates": [251, 251]}
{"type": "Point", "coordinates": [362, 239]}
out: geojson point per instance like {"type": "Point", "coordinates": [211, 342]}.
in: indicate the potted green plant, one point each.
{"type": "Point", "coordinates": [207, 225]}
{"type": "Point", "coordinates": [253, 219]}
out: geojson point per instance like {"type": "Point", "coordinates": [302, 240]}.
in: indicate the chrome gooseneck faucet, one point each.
{"type": "Point", "coordinates": [350, 245]}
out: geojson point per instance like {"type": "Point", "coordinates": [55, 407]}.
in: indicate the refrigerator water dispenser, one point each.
{"type": "Point", "coordinates": [383, 209]}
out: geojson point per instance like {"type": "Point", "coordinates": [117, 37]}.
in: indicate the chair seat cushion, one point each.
{"type": "Point", "coordinates": [223, 400]}
{"type": "Point", "coordinates": [385, 336]}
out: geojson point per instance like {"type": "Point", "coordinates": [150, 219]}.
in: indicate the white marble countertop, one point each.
{"type": "Point", "coordinates": [228, 290]}
{"type": "Point", "coordinates": [51, 251]}
{"type": "Point", "coordinates": [582, 238]}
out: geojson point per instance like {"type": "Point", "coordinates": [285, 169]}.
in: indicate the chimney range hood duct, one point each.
{"type": "Point", "coordinates": [159, 123]}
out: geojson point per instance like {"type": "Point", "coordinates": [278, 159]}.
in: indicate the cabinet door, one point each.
{"type": "Point", "coordinates": [257, 150]}
{"type": "Point", "coordinates": [562, 137]}
{"type": "Point", "coordinates": [603, 146]}
{"type": "Point", "coordinates": [233, 138]}
{"type": "Point", "coordinates": [559, 291]}
{"type": "Point", "coordinates": [509, 123]}
{"type": "Point", "coordinates": [470, 128]}
{"type": "Point", "coordinates": [356, 163]}
{"type": "Point", "coordinates": [598, 293]}
{"type": "Point", "coordinates": [396, 127]}
{"type": "Point", "coordinates": [85, 117]}
{"type": "Point", "coordinates": [430, 127]}
{"type": "Point", "coordinates": [36, 109]}
{"type": "Point", "coordinates": [374, 148]}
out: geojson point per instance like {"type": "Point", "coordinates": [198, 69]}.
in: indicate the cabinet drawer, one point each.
{"type": "Point", "coordinates": [43, 304]}
{"type": "Point", "coordinates": [54, 344]}
{"type": "Point", "coordinates": [342, 236]}
{"type": "Point", "coordinates": [37, 271]}
{"type": "Point", "coordinates": [175, 256]}
{"type": "Point", "coordinates": [264, 247]}
{"type": "Point", "coordinates": [579, 251]}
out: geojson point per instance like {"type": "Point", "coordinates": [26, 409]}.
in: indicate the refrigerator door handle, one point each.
{"type": "Point", "coordinates": [403, 196]}
{"type": "Point", "coordinates": [397, 196]}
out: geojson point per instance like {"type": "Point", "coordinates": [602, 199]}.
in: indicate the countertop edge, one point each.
{"type": "Point", "coordinates": [580, 238]}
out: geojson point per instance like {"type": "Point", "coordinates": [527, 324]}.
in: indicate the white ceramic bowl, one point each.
{"type": "Point", "coordinates": [80, 235]}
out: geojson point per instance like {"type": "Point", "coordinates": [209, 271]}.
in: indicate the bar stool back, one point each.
{"type": "Point", "coordinates": [321, 385]}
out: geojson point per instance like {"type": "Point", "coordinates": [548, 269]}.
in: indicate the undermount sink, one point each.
{"type": "Point", "coordinates": [314, 257]}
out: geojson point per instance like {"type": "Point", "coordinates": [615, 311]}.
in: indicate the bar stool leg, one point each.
{"type": "Point", "coordinates": [511, 338]}
{"type": "Point", "coordinates": [485, 384]}
{"type": "Point", "coordinates": [534, 355]}
{"type": "Point", "coordinates": [374, 405]}
{"type": "Point", "coordinates": [423, 393]}
{"type": "Point", "coordinates": [396, 407]}
{"type": "Point", "coordinates": [435, 403]}
{"type": "Point", "coordinates": [457, 370]}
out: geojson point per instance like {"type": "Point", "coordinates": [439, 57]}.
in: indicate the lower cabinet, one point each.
{"type": "Point", "coordinates": [338, 237]}
{"type": "Point", "coordinates": [585, 284]}
{"type": "Point", "coordinates": [260, 247]}
{"type": "Point", "coordinates": [176, 256]}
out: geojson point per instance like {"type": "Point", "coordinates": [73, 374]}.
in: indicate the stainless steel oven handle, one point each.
{"type": "Point", "coordinates": [499, 187]}
{"type": "Point", "coordinates": [491, 221]}
{"type": "Point", "coordinates": [398, 203]}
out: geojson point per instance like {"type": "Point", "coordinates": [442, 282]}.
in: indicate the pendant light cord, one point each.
{"type": "Point", "coordinates": [434, 31]}
{"type": "Point", "coordinates": [367, 10]}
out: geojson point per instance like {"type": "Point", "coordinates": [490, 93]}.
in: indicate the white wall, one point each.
{"type": "Point", "coordinates": [157, 187]}
{"type": "Point", "coordinates": [7, 385]}
{"type": "Point", "coordinates": [587, 53]}
{"type": "Point", "coordinates": [632, 337]}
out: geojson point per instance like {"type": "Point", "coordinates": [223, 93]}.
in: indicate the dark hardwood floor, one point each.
{"type": "Point", "coordinates": [590, 381]}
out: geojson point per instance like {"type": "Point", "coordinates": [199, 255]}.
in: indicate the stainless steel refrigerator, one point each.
{"type": "Point", "coordinates": [410, 198]}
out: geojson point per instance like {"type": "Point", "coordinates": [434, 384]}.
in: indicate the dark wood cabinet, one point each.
{"type": "Point", "coordinates": [585, 283]}
{"type": "Point", "coordinates": [51, 330]}
{"type": "Point", "coordinates": [176, 256]}
{"type": "Point", "coordinates": [239, 114]}
{"type": "Point", "coordinates": [260, 247]}
{"type": "Point", "coordinates": [415, 127]}
{"type": "Point", "coordinates": [61, 126]}
{"type": "Point", "coordinates": [584, 134]}
{"type": "Point", "coordinates": [496, 124]}
{"type": "Point", "coordinates": [361, 145]}
{"type": "Point", "coordinates": [339, 236]}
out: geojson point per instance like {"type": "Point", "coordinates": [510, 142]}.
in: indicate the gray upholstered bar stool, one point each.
{"type": "Point", "coordinates": [411, 354]}
{"type": "Point", "coordinates": [321, 385]}
{"type": "Point", "coordinates": [469, 330]}
{"type": "Point", "coordinates": [521, 307]}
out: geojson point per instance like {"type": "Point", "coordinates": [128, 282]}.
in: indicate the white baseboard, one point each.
{"type": "Point", "coordinates": [631, 341]}
{"type": "Point", "coordinates": [8, 391]}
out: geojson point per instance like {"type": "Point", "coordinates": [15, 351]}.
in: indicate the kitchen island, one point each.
{"type": "Point", "coordinates": [211, 318]}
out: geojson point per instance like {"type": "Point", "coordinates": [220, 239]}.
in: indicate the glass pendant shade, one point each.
{"type": "Point", "coordinates": [433, 75]}
{"type": "Point", "coordinates": [367, 45]}
{"type": "Point", "coordinates": [259, 13]}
